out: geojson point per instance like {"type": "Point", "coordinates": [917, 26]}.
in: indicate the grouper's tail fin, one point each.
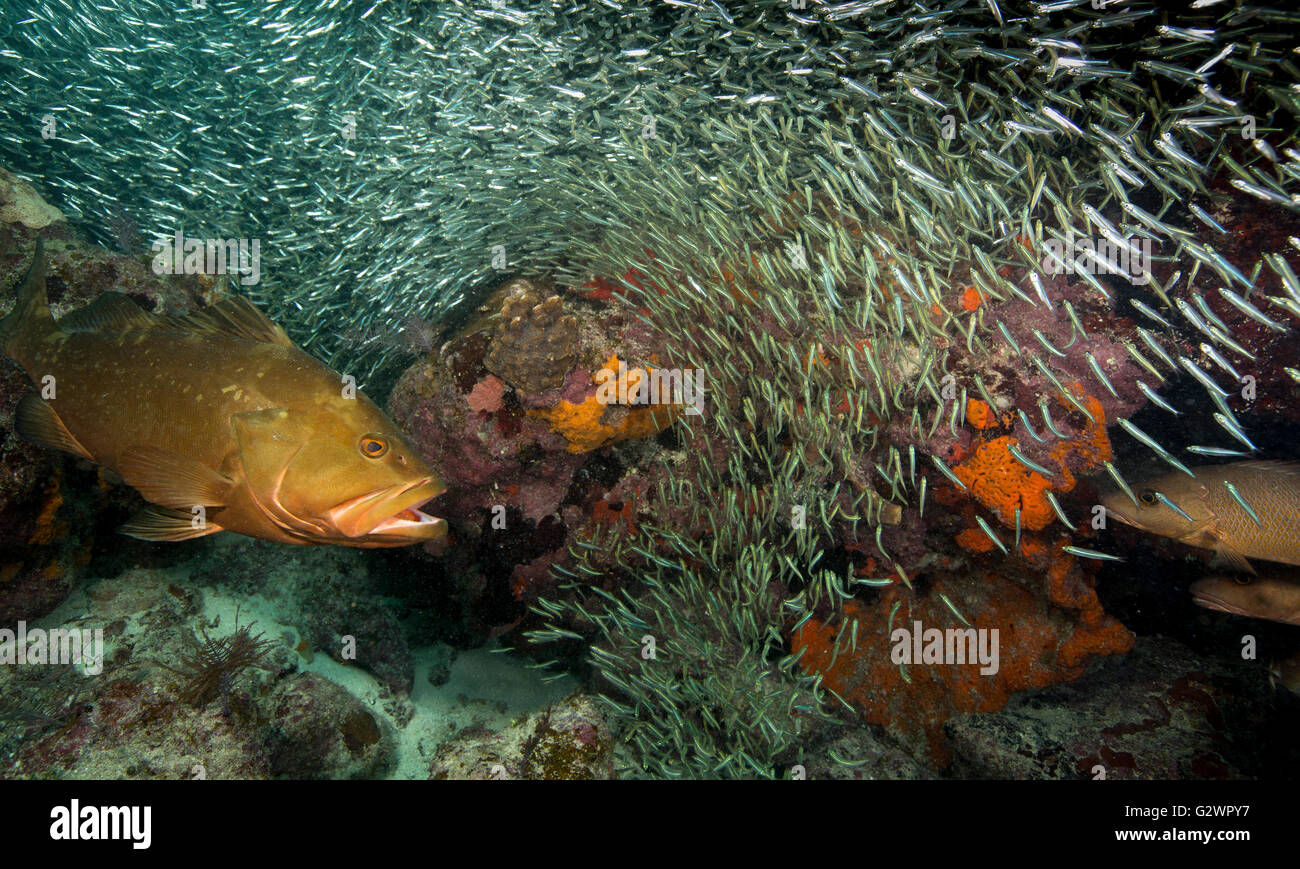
{"type": "Point", "coordinates": [31, 313]}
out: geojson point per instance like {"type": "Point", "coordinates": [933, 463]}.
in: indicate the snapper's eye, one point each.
{"type": "Point", "coordinates": [1149, 497]}
{"type": "Point", "coordinates": [372, 446]}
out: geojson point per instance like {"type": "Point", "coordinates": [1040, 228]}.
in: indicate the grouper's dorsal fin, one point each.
{"type": "Point", "coordinates": [236, 317]}
{"type": "Point", "coordinates": [32, 310]}
{"type": "Point", "coordinates": [109, 313]}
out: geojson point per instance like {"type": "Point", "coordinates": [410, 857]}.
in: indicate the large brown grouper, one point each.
{"type": "Point", "coordinates": [219, 420]}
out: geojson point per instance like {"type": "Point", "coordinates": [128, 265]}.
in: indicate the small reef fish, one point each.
{"type": "Point", "coordinates": [1277, 600]}
{"type": "Point", "coordinates": [218, 420]}
{"type": "Point", "coordinates": [1240, 511]}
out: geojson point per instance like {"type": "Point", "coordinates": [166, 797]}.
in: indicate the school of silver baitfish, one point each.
{"type": "Point", "coordinates": [381, 151]}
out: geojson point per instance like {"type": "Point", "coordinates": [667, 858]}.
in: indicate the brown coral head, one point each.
{"type": "Point", "coordinates": [535, 343]}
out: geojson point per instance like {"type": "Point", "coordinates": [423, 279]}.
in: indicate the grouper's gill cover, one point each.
{"type": "Point", "coordinates": [219, 421]}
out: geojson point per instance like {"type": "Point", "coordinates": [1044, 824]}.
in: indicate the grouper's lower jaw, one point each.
{"type": "Point", "coordinates": [411, 526]}
{"type": "Point", "coordinates": [390, 517]}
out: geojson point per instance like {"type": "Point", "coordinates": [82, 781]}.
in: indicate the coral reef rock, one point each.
{"type": "Point", "coordinates": [20, 203]}
{"type": "Point", "coordinates": [533, 347]}
{"type": "Point", "coordinates": [1162, 712]}
{"type": "Point", "coordinates": [319, 730]}
{"type": "Point", "coordinates": [570, 740]}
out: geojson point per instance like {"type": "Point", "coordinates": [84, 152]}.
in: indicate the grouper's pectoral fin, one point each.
{"type": "Point", "coordinates": [37, 423]}
{"type": "Point", "coordinates": [167, 523]}
{"type": "Point", "coordinates": [173, 480]}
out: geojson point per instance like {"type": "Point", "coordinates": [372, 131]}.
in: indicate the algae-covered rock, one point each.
{"type": "Point", "coordinates": [570, 740]}
{"type": "Point", "coordinates": [20, 203]}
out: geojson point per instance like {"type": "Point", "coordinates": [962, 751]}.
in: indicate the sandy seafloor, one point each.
{"type": "Point", "coordinates": [482, 690]}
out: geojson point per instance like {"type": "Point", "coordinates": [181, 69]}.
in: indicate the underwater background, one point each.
{"type": "Point", "coordinates": [930, 293]}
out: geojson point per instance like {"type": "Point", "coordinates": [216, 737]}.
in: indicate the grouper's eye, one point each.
{"type": "Point", "coordinates": [373, 446]}
{"type": "Point", "coordinates": [1149, 497]}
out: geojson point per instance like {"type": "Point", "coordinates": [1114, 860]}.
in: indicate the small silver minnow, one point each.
{"type": "Point", "coordinates": [1215, 260]}
{"type": "Point", "coordinates": [1061, 121]}
{"type": "Point", "coordinates": [1074, 318]}
{"type": "Point", "coordinates": [1160, 496]}
{"type": "Point", "coordinates": [1287, 304]}
{"type": "Point", "coordinates": [1155, 447]}
{"type": "Point", "coordinates": [1120, 481]}
{"type": "Point", "coordinates": [1166, 144]}
{"type": "Point", "coordinates": [1232, 345]}
{"type": "Point", "coordinates": [1154, 345]}
{"type": "Point", "coordinates": [1233, 429]}
{"type": "Point", "coordinates": [1222, 404]}
{"type": "Point", "coordinates": [1101, 375]}
{"type": "Point", "coordinates": [1262, 192]}
{"type": "Point", "coordinates": [1031, 465]}
{"type": "Point", "coordinates": [1091, 553]}
{"type": "Point", "coordinates": [1006, 333]}
{"type": "Point", "coordinates": [1153, 222]}
{"type": "Point", "coordinates": [1250, 310]}
{"type": "Point", "coordinates": [1029, 426]}
{"type": "Point", "coordinates": [1215, 451]}
{"type": "Point", "coordinates": [1047, 345]}
{"type": "Point", "coordinates": [1201, 377]}
{"type": "Point", "coordinates": [1047, 418]}
{"type": "Point", "coordinates": [938, 463]}
{"type": "Point", "coordinates": [1283, 270]}
{"type": "Point", "coordinates": [1227, 49]}
{"type": "Point", "coordinates": [1106, 228]}
{"type": "Point", "coordinates": [1143, 361]}
{"type": "Point", "coordinates": [984, 526]}
{"type": "Point", "coordinates": [1236, 496]}
{"type": "Point", "coordinates": [1219, 360]}
{"type": "Point", "coordinates": [1192, 317]}
{"type": "Point", "coordinates": [1154, 398]}
{"type": "Point", "coordinates": [1040, 289]}
{"type": "Point", "coordinates": [1056, 507]}
{"type": "Point", "coordinates": [1207, 313]}
{"type": "Point", "coordinates": [1137, 303]}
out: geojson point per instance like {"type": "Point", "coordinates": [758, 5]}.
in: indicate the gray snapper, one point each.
{"type": "Point", "coordinates": [1239, 511]}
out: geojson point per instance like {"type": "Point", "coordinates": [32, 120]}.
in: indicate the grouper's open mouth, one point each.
{"type": "Point", "coordinates": [391, 516]}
